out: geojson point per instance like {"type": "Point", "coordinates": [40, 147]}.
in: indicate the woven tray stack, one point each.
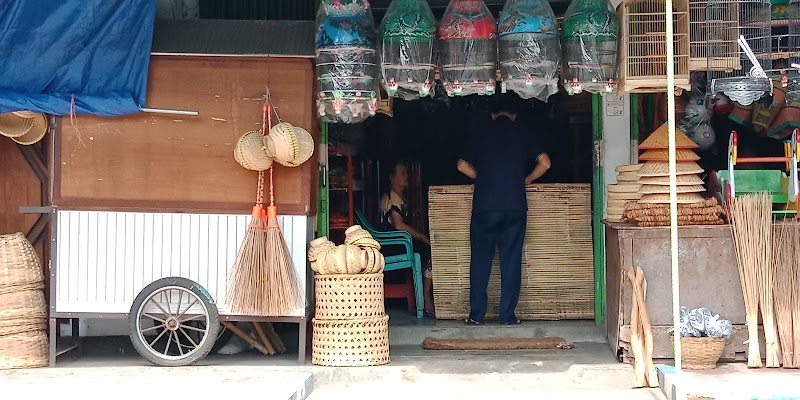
{"type": "Point", "coordinates": [23, 309]}
{"type": "Point", "coordinates": [350, 325]}
{"type": "Point", "coordinates": [626, 189]}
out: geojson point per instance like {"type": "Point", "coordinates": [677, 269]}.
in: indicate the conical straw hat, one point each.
{"type": "Point", "coordinates": [629, 168]}
{"type": "Point", "coordinates": [659, 139]}
{"type": "Point", "coordinates": [36, 132]}
{"type": "Point", "coordinates": [661, 168]}
{"type": "Point", "coordinates": [690, 179]}
{"type": "Point", "coordinates": [15, 124]}
{"type": "Point", "coordinates": [683, 198]}
{"type": "Point", "coordinates": [655, 189]}
{"type": "Point", "coordinates": [681, 155]}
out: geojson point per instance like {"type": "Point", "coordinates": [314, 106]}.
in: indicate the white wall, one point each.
{"type": "Point", "coordinates": [616, 135]}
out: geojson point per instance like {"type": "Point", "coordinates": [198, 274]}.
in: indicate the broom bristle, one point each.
{"type": "Point", "coordinates": [796, 295]}
{"type": "Point", "coordinates": [752, 225]}
{"type": "Point", "coordinates": [243, 294]}
{"type": "Point", "coordinates": [785, 249]}
{"type": "Point", "coordinates": [284, 294]}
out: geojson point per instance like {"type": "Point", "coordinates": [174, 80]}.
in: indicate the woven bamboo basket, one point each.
{"type": "Point", "coordinates": [350, 343]}
{"type": "Point", "coordinates": [250, 152]}
{"type": "Point", "coordinates": [346, 297]}
{"type": "Point", "coordinates": [699, 353]}
{"type": "Point", "coordinates": [22, 325]}
{"type": "Point", "coordinates": [22, 305]}
{"type": "Point", "coordinates": [23, 350]}
{"type": "Point", "coordinates": [19, 264]}
{"type": "Point", "coordinates": [290, 145]}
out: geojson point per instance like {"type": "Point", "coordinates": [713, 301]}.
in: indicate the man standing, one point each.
{"type": "Point", "coordinates": [499, 160]}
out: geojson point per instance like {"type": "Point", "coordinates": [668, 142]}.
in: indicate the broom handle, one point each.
{"type": "Point", "coordinates": [260, 188]}
{"type": "Point", "coordinates": [271, 189]}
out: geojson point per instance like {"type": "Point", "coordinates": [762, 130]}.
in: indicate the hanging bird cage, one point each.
{"type": "Point", "coordinates": [589, 42]}
{"type": "Point", "coordinates": [468, 49]}
{"type": "Point", "coordinates": [793, 89]}
{"type": "Point", "coordinates": [748, 81]}
{"type": "Point", "coordinates": [700, 39]}
{"type": "Point", "coordinates": [346, 61]}
{"type": "Point", "coordinates": [644, 51]}
{"type": "Point", "coordinates": [530, 51]}
{"type": "Point", "coordinates": [408, 49]}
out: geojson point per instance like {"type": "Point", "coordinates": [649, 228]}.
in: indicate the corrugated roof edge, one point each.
{"type": "Point", "coordinates": [207, 37]}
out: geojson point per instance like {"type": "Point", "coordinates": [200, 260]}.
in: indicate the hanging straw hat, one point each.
{"type": "Point", "coordinates": [659, 139]}
{"type": "Point", "coordinates": [17, 123]}
{"type": "Point", "coordinates": [38, 129]}
{"type": "Point", "coordinates": [250, 152]}
{"type": "Point", "coordinates": [661, 168]}
{"type": "Point", "coordinates": [681, 155]}
{"type": "Point", "coordinates": [291, 146]}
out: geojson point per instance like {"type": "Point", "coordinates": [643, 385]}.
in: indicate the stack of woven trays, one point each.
{"type": "Point", "coordinates": [626, 189]}
{"type": "Point", "coordinates": [350, 325]}
{"type": "Point", "coordinates": [23, 309]}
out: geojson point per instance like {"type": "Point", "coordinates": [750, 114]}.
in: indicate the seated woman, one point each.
{"type": "Point", "coordinates": [395, 216]}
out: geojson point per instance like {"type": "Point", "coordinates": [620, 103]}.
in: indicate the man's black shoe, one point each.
{"type": "Point", "coordinates": [470, 321]}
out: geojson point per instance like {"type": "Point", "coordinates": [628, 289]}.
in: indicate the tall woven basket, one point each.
{"type": "Point", "coordinates": [350, 343]}
{"type": "Point", "coordinates": [23, 309]}
{"type": "Point", "coordinates": [344, 297]}
{"type": "Point", "coordinates": [699, 353]}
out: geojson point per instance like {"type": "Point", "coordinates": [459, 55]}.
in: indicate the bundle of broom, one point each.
{"type": "Point", "coordinates": [787, 294]}
{"type": "Point", "coordinates": [752, 231]}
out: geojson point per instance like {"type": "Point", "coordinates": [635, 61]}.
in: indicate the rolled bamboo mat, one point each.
{"type": "Point", "coordinates": [557, 260]}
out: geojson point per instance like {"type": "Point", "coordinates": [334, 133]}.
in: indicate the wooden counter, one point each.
{"type": "Point", "coordinates": [709, 277]}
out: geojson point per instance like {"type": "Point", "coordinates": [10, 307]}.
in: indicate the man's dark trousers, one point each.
{"type": "Point", "coordinates": [487, 230]}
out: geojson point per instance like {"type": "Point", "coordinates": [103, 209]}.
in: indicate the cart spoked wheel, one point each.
{"type": "Point", "coordinates": [173, 322]}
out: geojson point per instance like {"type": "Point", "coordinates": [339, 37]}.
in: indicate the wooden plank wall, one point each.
{"type": "Point", "coordinates": [184, 163]}
{"type": "Point", "coordinates": [18, 187]}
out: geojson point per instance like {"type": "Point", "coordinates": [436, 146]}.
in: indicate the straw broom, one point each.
{"type": "Point", "coordinates": [785, 252]}
{"type": "Point", "coordinates": [766, 282]}
{"type": "Point", "coordinates": [796, 296]}
{"type": "Point", "coordinates": [244, 292]}
{"type": "Point", "coordinates": [752, 219]}
{"type": "Point", "coordinates": [284, 294]}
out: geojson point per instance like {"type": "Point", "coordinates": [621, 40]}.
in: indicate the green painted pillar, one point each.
{"type": "Point", "coordinates": [598, 207]}
{"type": "Point", "coordinates": [634, 128]}
{"type": "Point", "coordinates": [323, 213]}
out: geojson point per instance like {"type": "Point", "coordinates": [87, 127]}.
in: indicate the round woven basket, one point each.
{"type": "Point", "coordinates": [698, 353]}
{"type": "Point", "coordinates": [290, 145]}
{"type": "Point", "coordinates": [350, 343]}
{"type": "Point", "coordinates": [22, 325]}
{"type": "Point", "coordinates": [250, 152]}
{"type": "Point", "coordinates": [15, 124]}
{"type": "Point", "coordinates": [24, 304]}
{"type": "Point", "coordinates": [39, 126]}
{"type": "Point", "coordinates": [340, 297]}
{"type": "Point", "coordinates": [19, 265]}
{"type": "Point", "coordinates": [23, 350]}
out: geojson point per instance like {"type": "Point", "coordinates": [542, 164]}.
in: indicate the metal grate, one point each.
{"type": "Point", "coordinates": [752, 20]}
{"type": "Point", "coordinates": [722, 30]}
{"type": "Point", "coordinates": [644, 52]}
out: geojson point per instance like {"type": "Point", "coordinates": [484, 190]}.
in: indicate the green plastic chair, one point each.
{"type": "Point", "coordinates": [408, 259]}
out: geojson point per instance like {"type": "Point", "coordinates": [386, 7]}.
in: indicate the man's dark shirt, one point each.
{"type": "Point", "coordinates": [502, 153]}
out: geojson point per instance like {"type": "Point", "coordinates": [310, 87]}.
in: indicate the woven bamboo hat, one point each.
{"type": "Point", "coordinates": [690, 179]}
{"type": "Point", "coordinates": [661, 198]}
{"type": "Point", "coordinates": [659, 139]}
{"type": "Point", "coordinates": [681, 155]}
{"type": "Point", "coordinates": [26, 126]}
{"type": "Point", "coordinates": [290, 145]}
{"type": "Point", "coordinates": [656, 189]}
{"type": "Point", "coordinates": [250, 152]}
{"type": "Point", "coordinates": [38, 129]}
{"type": "Point", "coordinates": [661, 168]}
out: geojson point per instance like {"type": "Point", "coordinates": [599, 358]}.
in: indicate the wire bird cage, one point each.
{"type": "Point", "coordinates": [589, 42]}
{"type": "Point", "coordinates": [347, 61]}
{"type": "Point", "coordinates": [644, 50]}
{"type": "Point", "coordinates": [793, 89]}
{"type": "Point", "coordinates": [468, 49]}
{"type": "Point", "coordinates": [747, 81]}
{"type": "Point", "coordinates": [699, 38]}
{"type": "Point", "coordinates": [530, 51]}
{"type": "Point", "coordinates": [408, 49]}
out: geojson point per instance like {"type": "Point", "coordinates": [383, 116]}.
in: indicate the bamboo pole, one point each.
{"type": "Point", "coordinates": [673, 189]}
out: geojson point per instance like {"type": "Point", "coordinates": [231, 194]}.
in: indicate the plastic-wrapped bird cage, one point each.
{"type": "Point", "coordinates": [468, 48]}
{"type": "Point", "coordinates": [643, 57]}
{"type": "Point", "coordinates": [529, 49]}
{"type": "Point", "coordinates": [408, 49]}
{"type": "Point", "coordinates": [793, 89]}
{"type": "Point", "coordinates": [589, 41]}
{"type": "Point", "coordinates": [747, 81]}
{"type": "Point", "coordinates": [346, 61]}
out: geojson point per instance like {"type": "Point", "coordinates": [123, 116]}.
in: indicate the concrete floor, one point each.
{"type": "Point", "coordinates": [733, 382]}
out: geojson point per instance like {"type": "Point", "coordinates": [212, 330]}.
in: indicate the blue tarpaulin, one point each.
{"type": "Point", "coordinates": [97, 51]}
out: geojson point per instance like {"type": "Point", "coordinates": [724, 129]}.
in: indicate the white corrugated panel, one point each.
{"type": "Point", "coordinates": [104, 259]}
